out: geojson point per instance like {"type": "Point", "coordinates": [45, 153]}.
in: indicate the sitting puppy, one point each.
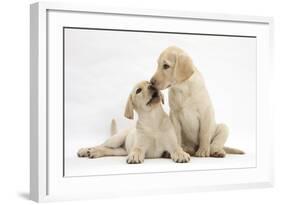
{"type": "Point", "coordinates": [150, 138]}
{"type": "Point", "coordinates": [191, 109]}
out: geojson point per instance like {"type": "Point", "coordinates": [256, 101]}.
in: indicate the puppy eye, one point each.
{"type": "Point", "coordinates": [138, 90]}
{"type": "Point", "coordinates": [166, 66]}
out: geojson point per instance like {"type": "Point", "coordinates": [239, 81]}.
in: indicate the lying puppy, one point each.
{"type": "Point", "coordinates": [191, 109]}
{"type": "Point", "coordinates": [150, 138]}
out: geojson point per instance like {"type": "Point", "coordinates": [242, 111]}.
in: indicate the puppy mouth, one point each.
{"type": "Point", "coordinates": [155, 98]}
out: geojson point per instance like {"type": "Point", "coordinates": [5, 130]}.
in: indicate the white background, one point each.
{"type": "Point", "coordinates": [14, 107]}
{"type": "Point", "coordinates": [101, 67]}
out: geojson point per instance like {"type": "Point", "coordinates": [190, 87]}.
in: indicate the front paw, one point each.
{"type": "Point", "coordinates": [203, 152]}
{"type": "Point", "coordinates": [135, 157]}
{"type": "Point", "coordinates": [180, 156]}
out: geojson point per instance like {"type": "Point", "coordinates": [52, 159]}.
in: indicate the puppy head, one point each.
{"type": "Point", "coordinates": [143, 98]}
{"type": "Point", "coordinates": [174, 66]}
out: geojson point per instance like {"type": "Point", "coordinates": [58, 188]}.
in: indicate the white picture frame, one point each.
{"type": "Point", "coordinates": [47, 181]}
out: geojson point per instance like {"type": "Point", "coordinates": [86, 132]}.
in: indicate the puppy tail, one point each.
{"type": "Point", "coordinates": [230, 150]}
{"type": "Point", "coordinates": [113, 127]}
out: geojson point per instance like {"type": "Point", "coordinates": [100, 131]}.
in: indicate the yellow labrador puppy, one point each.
{"type": "Point", "coordinates": [191, 109]}
{"type": "Point", "coordinates": [150, 138]}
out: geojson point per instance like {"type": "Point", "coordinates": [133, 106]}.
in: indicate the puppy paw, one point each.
{"type": "Point", "coordinates": [135, 157]}
{"type": "Point", "coordinates": [180, 156]}
{"type": "Point", "coordinates": [83, 152]}
{"type": "Point", "coordinates": [95, 152]}
{"type": "Point", "coordinates": [203, 152]}
{"type": "Point", "coordinates": [217, 152]}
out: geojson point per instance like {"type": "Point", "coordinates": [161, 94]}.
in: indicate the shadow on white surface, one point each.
{"type": "Point", "coordinates": [24, 195]}
{"type": "Point", "coordinates": [76, 166]}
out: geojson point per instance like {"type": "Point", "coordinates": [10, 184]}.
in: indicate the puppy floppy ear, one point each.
{"type": "Point", "coordinates": [129, 110]}
{"type": "Point", "coordinates": [184, 67]}
{"type": "Point", "coordinates": [162, 98]}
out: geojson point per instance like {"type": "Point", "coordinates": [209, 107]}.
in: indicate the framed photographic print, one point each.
{"type": "Point", "coordinates": [194, 87]}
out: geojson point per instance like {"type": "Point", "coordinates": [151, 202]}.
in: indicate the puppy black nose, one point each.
{"type": "Point", "coordinates": [151, 87]}
{"type": "Point", "coordinates": [153, 81]}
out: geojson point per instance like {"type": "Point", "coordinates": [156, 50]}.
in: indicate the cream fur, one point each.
{"type": "Point", "coordinates": [191, 109]}
{"type": "Point", "coordinates": [153, 134]}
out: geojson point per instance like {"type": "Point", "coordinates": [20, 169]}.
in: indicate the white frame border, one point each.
{"type": "Point", "coordinates": [39, 75]}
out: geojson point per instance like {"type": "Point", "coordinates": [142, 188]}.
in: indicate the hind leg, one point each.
{"type": "Point", "coordinates": [116, 140]}
{"type": "Point", "coordinates": [218, 141]}
{"type": "Point", "coordinates": [111, 147]}
{"type": "Point", "coordinates": [101, 151]}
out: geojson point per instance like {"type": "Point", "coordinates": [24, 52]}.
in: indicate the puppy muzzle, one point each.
{"type": "Point", "coordinates": [155, 96]}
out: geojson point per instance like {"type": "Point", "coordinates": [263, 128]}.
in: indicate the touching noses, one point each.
{"type": "Point", "coordinates": [153, 81]}
{"type": "Point", "coordinates": [151, 87]}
